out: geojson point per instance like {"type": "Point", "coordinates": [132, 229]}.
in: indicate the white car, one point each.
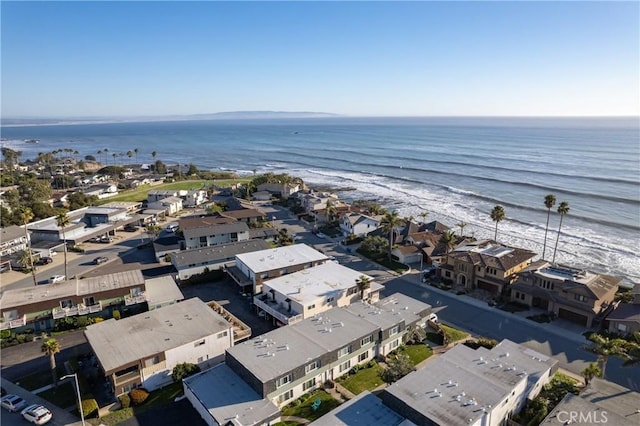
{"type": "Point", "coordinates": [172, 228]}
{"type": "Point", "coordinates": [321, 235]}
{"type": "Point", "coordinates": [37, 414]}
{"type": "Point", "coordinates": [432, 317]}
{"type": "Point", "coordinates": [12, 403]}
{"type": "Point", "coordinates": [57, 279]}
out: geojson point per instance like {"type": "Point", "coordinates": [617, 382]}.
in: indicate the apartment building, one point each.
{"type": "Point", "coordinates": [199, 237]}
{"type": "Point", "coordinates": [299, 295]}
{"type": "Point", "coordinates": [142, 350]}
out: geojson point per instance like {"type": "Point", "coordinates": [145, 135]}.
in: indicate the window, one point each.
{"type": "Point", "coordinates": [64, 304]}
{"type": "Point", "coordinates": [394, 330]}
{"type": "Point", "coordinates": [491, 271]}
{"type": "Point", "coordinates": [622, 328]}
{"type": "Point", "coordinates": [198, 343]}
{"type": "Point", "coordinates": [311, 307]}
{"type": "Point", "coordinates": [344, 351]}
{"type": "Point", "coordinates": [363, 356]}
{"type": "Point", "coordinates": [284, 380]}
{"type": "Point", "coordinates": [352, 290]}
{"type": "Point", "coordinates": [395, 344]}
{"type": "Point", "coordinates": [309, 384]}
{"type": "Point", "coordinates": [89, 301]}
{"type": "Point", "coordinates": [200, 359]}
{"type": "Point", "coordinates": [222, 334]}
{"type": "Point", "coordinates": [203, 240]}
{"type": "Point", "coordinates": [311, 367]}
{"type": "Point", "coordinates": [447, 274]}
{"type": "Point", "coordinates": [365, 340]}
{"type": "Point", "coordinates": [344, 366]}
{"type": "Point", "coordinates": [285, 396]}
{"type": "Point", "coordinates": [580, 298]}
{"type": "Point", "coordinates": [152, 361]}
{"type": "Point", "coordinates": [330, 299]}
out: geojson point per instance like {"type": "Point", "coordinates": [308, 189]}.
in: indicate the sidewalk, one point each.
{"type": "Point", "coordinates": [573, 336]}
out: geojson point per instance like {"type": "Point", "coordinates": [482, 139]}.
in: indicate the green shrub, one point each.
{"type": "Point", "coordinates": [5, 334]}
{"type": "Point", "coordinates": [116, 314]}
{"type": "Point", "coordinates": [125, 400]}
{"type": "Point", "coordinates": [184, 370]}
{"type": "Point", "coordinates": [138, 396]}
{"type": "Point", "coordinates": [89, 407]}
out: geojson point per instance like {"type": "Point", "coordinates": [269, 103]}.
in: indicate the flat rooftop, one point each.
{"type": "Point", "coordinates": [365, 409]}
{"type": "Point", "coordinates": [217, 253]}
{"type": "Point", "coordinates": [458, 386]}
{"type": "Point", "coordinates": [227, 397]}
{"type": "Point", "coordinates": [161, 290]}
{"type": "Point", "coordinates": [309, 284]}
{"type": "Point", "coordinates": [87, 286]}
{"type": "Point", "coordinates": [121, 342]}
{"type": "Point", "coordinates": [281, 257]}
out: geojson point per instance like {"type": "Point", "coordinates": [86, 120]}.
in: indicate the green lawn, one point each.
{"type": "Point", "coordinates": [364, 379]}
{"type": "Point", "coordinates": [63, 397]}
{"type": "Point", "coordinates": [454, 334]}
{"type": "Point", "coordinates": [158, 397]}
{"type": "Point", "coordinates": [383, 260]}
{"type": "Point", "coordinates": [417, 353]}
{"type": "Point", "coordinates": [304, 410]}
{"type": "Point", "coordinates": [140, 193]}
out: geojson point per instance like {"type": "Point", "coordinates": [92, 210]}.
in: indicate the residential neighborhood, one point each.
{"type": "Point", "coordinates": [285, 295]}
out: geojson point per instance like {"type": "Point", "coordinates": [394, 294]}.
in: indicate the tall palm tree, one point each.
{"type": "Point", "coordinates": [106, 157]}
{"type": "Point", "coordinates": [136, 151]}
{"type": "Point", "coordinates": [50, 348]}
{"type": "Point", "coordinates": [462, 225]}
{"type": "Point", "coordinates": [590, 372]}
{"type": "Point", "coordinates": [389, 223]}
{"type": "Point", "coordinates": [153, 155]}
{"type": "Point", "coordinates": [114, 155]}
{"type": "Point", "coordinates": [62, 220]}
{"type": "Point", "coordinates": [363, 282]}
{"type": "Point", "coordinates": [563, 209]}
{"type": "Point", "coordinates": [497, 215]}
{"type": "Point", "coordinates": [449, 240]}
{"type": "Point", "coordinates": [605, 347]}
{"type": "Point", "coordinates": [549, 202]}
{"type": "Point", "coordinates": [129, 154]}
{"type": "Point", "coordinates": [99, 153]}
{"type": "Point", "coordinates": [423, 215]}
{"type": "Point", "coordinates": [25, 214]}
{"type": "Point", "coordinates": [330, 211]}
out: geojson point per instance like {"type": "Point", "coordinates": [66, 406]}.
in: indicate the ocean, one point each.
{"type": "Point", "coordinates": [454, 169]}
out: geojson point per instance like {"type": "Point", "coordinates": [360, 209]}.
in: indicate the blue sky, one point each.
{"type": "Point", "coordinates": [352, 58]}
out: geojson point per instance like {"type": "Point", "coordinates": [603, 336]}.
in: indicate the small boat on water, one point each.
{"type": "Point", "coordinates": [31, 141]}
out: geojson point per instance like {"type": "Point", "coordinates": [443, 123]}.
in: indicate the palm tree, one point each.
{"type": "Point", "coordinates": [449, 240]}
{"type": "Point", "coordinates": [605, 347]}
{"type": "Point", "coordinates": [50, 348]}
{"type": "Point", "coordinates": [590, 372]}
{"type": "Point", "coordinates": [25, 214]}
{"type": "Point", "coordinates": [153, 154]}
{"type": "Point", "coordinates": [129, 154]}
{"type": "Point", "coordinates": [114, 155]}
{"type": "Point", "coordinates": [549, 202]}
{"type": "Point", "coordinates": [563, 209]}
{"type": "Point", "coordinates": [423, 215]}
{"type": "Point", "coordinates": [106, 158]}
{"type": "Point", "coordinates": [99, 154]}
{"type": "Point", "coordinates": [330, 211]}
{"type": "Point", "coordinates": [497, 215]}
{"type": "Point", "coordinates": [136, 150]}
{"type": "Point", "coordinates": [389, 223]}
{"type": "Point", "coordinates": [462, 225]}
{"type": "Point", "coordinates": [363, 282]}
{"type": "Point", "coordinates": [62, 220]}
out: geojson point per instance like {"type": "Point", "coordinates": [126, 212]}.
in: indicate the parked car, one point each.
{"type": "Point", "coordinates": [100, 259]}
{"type": "Point", "coordinates": [13, 403]}
{"type": "Point", "coordinates": [130, 228]}
{"type": "Point", "coordinates": [37, 414]}
{"type": "Point", "coordinates": [321, 235]}
{"type": "Point", "coordinates": [44, 261]}
{"type": "Point", "coordinates": [105, 239]}
{"type": "Point", "coordinates": [57, 279]}
{"type": "Point", "coordinates": [172, 228]}
{"type": "Point", "coordinates": [432, 317]}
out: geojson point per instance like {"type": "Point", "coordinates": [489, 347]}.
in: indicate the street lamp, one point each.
{"type": "Point", "coordinates": [75, 376]}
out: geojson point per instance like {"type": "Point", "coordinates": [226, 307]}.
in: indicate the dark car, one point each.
{"type": "Point", "coordinates": [99, 260]}
{"type": "Point", "coordinates": [44, 261]}
{"type": "Point", "coordinates": [130, 228]}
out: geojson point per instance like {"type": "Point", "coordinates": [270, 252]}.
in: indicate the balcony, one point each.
{"type": "Point", "coordinates": [132, 300]}
{"type": "Point", "coordinates": [80, 309]}
{"type": "Point", "coordinates": [118, 380]}
{"type": "Point", "coordinates": [277, 311]}
{"type": "Point", "coordinates": [13, 323]}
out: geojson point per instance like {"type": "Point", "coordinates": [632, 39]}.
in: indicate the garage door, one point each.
{"type": "Point", "coordinates": [492, 288]}
{"type": "Point", "coordinates": [572, 316]}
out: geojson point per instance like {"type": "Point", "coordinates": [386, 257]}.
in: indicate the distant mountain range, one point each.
{"type": "Point", "coordinates": [230, 115]}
